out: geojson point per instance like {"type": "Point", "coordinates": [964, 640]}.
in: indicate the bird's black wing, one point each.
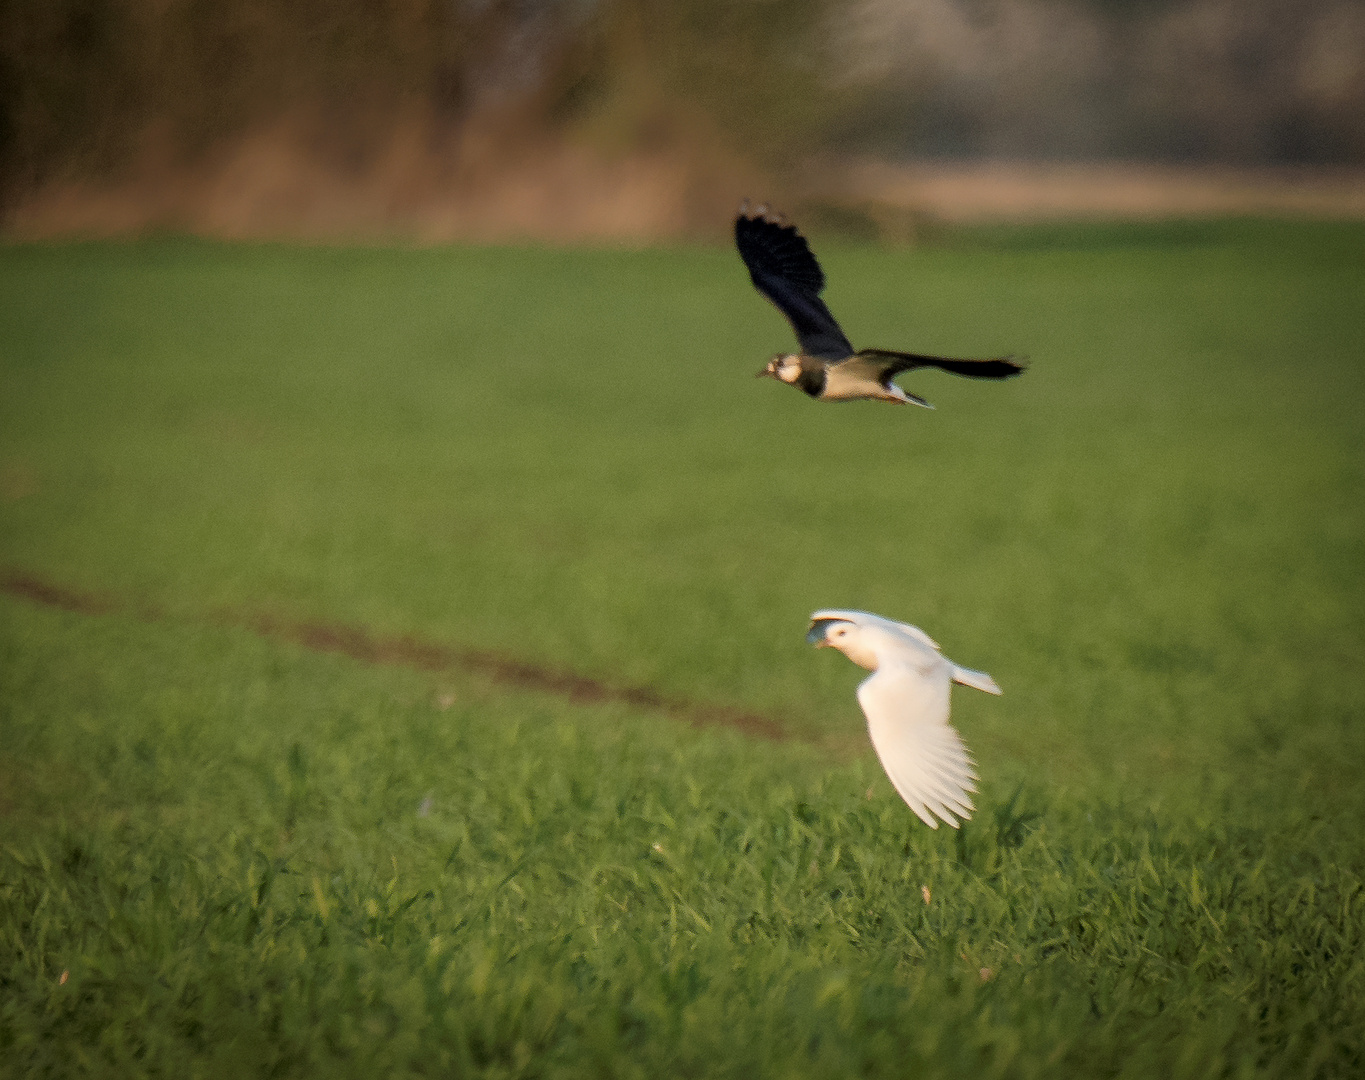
{"type": "Point", "coordinates": [893, 363]}
{"type": "Point", "coordinates": [784, 270]}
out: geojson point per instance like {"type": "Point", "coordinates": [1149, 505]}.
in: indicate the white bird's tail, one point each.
{"type": "Point", "coordinates": [978, 680]}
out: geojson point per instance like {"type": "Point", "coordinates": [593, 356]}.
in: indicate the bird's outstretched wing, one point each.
{"type": "Point", "coordinates": [784, 270]}
{"type": "Point", "coordinates": [924, 756]}
{"type": "Point", "coordinates": [866, 618]}
{"type": "Point", "coordinates": [886, 364]}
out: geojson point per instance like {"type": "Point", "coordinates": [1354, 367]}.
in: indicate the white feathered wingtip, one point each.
{"type": "Point", "coordinates": [866, 618]}
{"type": "Point", "coordinates": [836, 613]}
{"type": "Point", "coordinates": [977, 680]}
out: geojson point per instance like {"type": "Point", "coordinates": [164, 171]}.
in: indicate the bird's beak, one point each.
{"type": "Point", "coordinates": [766, 371]}
{"type": "Point", "coordinates": [816, 634]}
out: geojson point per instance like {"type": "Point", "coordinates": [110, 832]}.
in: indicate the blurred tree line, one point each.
{"type": "Point", "coordinates": [1228, 81]}
{"type": "Point", "coordinates": [92, 88]}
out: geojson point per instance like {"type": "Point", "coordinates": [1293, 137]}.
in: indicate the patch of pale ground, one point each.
{"type": "Point", "coordinates": [270, 187]}
{"type": "Point", "coordinates": [1017, 191]}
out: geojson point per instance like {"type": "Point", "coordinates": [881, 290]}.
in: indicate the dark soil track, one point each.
{"type": "Point", "coordinates": [359, 644]}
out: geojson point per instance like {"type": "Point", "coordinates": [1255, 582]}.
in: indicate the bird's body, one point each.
{"type": "Point", "coordinates": [906, 702]}
{"type": "Point", "coordinates": [827, 367]}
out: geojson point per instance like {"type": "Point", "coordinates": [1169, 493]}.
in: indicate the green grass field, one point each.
{"type": "Point", "coordinates": [224, 852]}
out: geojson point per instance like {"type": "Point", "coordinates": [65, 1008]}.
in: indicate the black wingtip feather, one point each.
{"type": "Point", "coordinates": [768, 243]}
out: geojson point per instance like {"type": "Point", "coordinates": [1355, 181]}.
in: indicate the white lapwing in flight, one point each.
{"type": "Point", "coordinates": [827, 367]}
{"type": "Point", "coordinates": [905, 700]}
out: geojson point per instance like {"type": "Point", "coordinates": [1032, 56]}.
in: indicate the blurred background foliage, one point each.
{"type": "Point", "coordinates": [104, 90]}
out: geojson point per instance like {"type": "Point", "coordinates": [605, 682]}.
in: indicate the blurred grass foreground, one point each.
{"type": "Point", "coordinates": [354, 602]}
{"type": "Point", "coordinates": [631, 119]}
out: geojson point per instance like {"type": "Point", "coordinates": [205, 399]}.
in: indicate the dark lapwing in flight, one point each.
{"type": "Point", "coordinates": [784, 270]}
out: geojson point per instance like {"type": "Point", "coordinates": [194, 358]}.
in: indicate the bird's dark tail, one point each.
{"type": "Point", "coordinates": [1005, 367]}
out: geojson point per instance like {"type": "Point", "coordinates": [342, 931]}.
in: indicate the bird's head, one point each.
{"type": "Point", "coordinates": [844, 635]}
{"type": "Point", "coordinates": [784, 366]}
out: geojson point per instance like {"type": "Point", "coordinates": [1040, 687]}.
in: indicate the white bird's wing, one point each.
{"type": "Point", "coordinates": [866, 618]}
{"type": "Point", "coordinates": [924, 756]}
{"type": "Point", "coordinates": [977, 680]}
{"type": "Point", "coordinates": [916, 633]}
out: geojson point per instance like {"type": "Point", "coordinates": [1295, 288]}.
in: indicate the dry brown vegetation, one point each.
{"type": "Point", "coordinates": [629, 119]}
